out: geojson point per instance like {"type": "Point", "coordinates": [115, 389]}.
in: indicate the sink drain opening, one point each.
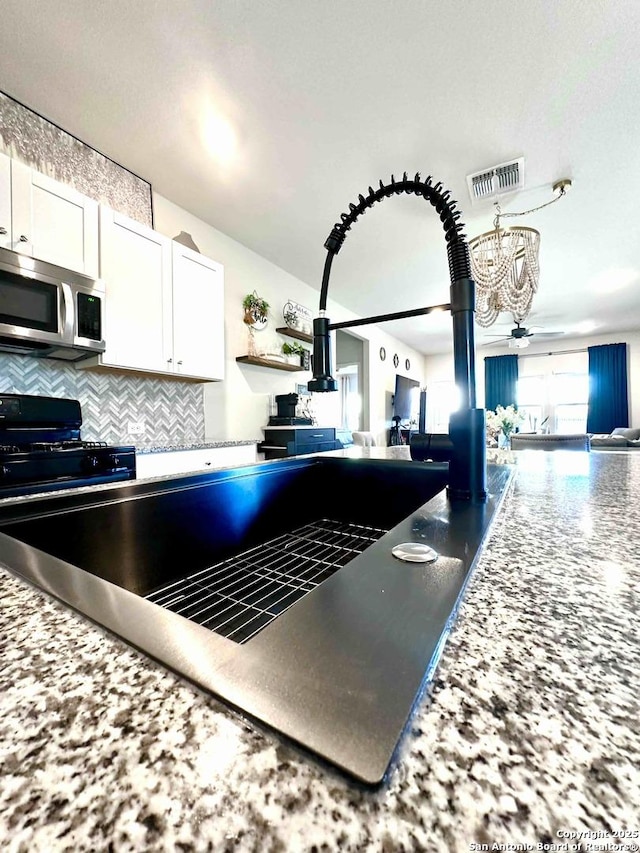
{"type": "Point", "coordinates": [244, 593]}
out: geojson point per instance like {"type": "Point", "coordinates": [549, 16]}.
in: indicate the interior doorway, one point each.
{"type": "Point", "coordinates": [352, 373]}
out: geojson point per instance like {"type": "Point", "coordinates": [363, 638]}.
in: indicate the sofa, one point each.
{"type": "Point", "coordinates": [539, 441]}
{"type": "Point", "coordinates": [621, 438]}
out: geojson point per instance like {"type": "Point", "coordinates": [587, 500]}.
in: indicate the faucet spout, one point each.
{"type": "Point", "coordinates": [467, 455]}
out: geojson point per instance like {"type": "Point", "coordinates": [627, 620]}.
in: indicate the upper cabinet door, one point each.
{"type": "Point", "coordinates": [5, 202]}
{"type": "Point", "coordinates": [135, 265]}
{"type": "Point", "coordinates": [198, 314]}
{"type": "Point", "coordinates": [52, 221]}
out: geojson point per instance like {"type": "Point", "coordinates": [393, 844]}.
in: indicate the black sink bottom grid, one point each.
{"type": "Point", "coordinates": [241, 595]}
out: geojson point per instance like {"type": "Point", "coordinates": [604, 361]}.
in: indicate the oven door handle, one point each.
{"type": "Point", "coordinates": [68, 314]}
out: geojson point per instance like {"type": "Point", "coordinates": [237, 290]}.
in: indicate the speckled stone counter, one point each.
{"type": "Point", "coordinates": [151, 447]}
{"type": "Point", "coordinates": [529, 730]}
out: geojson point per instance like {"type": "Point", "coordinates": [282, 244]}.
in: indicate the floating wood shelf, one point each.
{"type": "Point", "coordinates": [294, 333]}
{"type": "Point", "coordinates": [265, 362]}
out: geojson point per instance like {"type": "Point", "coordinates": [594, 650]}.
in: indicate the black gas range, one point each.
{"type": "Point", "coordinates": [41, 448]}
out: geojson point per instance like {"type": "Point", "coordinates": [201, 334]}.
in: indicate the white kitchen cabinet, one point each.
{"type": "Point", "coordinates": [135, 266]}
{"type": "Point", "coordinates": [48, 220]}
{"type": "Point", "coordinates": [198, 314]}
{"type": "Point", "coordinates": [184, 461]}
{"type": "Point", "coordinates": [164, 304]}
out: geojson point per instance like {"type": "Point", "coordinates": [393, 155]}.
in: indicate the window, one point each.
{"type": "Point", "coordinates": [350, 398]}
{"type": "Point", "coordinates": [532, 395]}
{"type": "Point", "coordinates": [442, 399]}
{"type": "Point", "coordinates": [570, 395]}
{"type": "Point", "coordinates": [556, 401]}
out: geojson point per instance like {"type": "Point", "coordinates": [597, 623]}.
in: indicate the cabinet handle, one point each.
{"type": "Point", "coordinates": [24, 238]}
{"type": "Point", "coordinates": [3, 230]}
{"type": "Point", "coordinates": [208, 464]}
{"type": "Point", "coordinates": [169, 360]}
{"type": "Point", "coordinates": [179, 362]}
{"type": "Point", "coordinates": [318, 435]}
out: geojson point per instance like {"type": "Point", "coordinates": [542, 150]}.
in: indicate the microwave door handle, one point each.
{"type": "Point", "coordinates": [68, 314]}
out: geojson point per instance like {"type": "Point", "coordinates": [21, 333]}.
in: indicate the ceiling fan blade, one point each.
{"type": "Point", "coordinates": [499, 341]}
{"type": "Point", "coordinates": [547, 334]}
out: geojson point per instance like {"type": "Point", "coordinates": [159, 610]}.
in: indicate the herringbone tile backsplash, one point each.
{"type": "Point", "coordinates": [173, 411]}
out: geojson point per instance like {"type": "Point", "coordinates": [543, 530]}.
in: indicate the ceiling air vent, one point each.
{"type": "Point", "coordinates": [496, 181]}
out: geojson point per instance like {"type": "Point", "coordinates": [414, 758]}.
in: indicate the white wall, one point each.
{"type": "Point", "coordinates": [238, 408]}
{"type": "Point", "coordinates": [546, 357]}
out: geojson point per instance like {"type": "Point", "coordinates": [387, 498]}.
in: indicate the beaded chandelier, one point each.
{"type": "Point", "coordinates": [505, 268]}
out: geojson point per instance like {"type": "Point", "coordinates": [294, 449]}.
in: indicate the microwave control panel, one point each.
{"type": "Point", "coordinates": [89, 317]}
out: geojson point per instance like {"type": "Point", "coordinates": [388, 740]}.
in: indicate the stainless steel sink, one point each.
{"type": "Point", "coordinates": [272, 586]}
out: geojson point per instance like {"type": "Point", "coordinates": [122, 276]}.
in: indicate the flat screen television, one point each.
{"type": "Point", "coordinates": [406, 398]}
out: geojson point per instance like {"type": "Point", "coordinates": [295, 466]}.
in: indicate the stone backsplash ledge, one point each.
{"type": "Point", "coordinates": [173, 411]}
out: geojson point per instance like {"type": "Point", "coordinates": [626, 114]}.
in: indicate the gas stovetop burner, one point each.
{"type": "Point", "coordinates": [73, 444]}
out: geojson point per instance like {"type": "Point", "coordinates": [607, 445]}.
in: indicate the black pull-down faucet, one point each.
{"type": "Point", "coordinates": [464, 446]}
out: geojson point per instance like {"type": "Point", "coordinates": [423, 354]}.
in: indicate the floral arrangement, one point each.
{"type": "Point", "coordinates": [505, 419]}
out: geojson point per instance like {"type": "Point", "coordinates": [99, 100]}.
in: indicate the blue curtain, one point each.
{"type": "Point", "coordinates": [608, 403]}
{"type": "Point", "coordinates": [500, 380]}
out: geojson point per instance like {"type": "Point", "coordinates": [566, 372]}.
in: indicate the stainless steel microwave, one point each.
{"type": "Point", "coordinates": [48, 311]}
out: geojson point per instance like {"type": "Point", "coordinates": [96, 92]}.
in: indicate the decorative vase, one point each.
{"type": "Point", "coordinates": [504, 440]}
{"type": "Point", "coordinates": [253, 350]}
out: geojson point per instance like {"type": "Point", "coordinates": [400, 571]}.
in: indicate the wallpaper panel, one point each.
{"type": "Point", "coordinates": [47, 148]}
{"type": "Point", "coordinates": [173, 411]}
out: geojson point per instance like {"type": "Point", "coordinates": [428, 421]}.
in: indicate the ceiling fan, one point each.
{"type": "Point", "coordinates": [519, 337]}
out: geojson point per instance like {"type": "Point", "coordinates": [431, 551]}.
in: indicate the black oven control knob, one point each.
{"type": "Point", "coordinates": [114, 460]}
{"type": "Point", "coordinates": [90, 463]}
{"type": "Point", "coordinates": [4, 472]}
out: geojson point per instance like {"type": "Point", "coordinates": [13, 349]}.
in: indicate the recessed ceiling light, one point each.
{"type": "Point", "coordinates": [219, 137]}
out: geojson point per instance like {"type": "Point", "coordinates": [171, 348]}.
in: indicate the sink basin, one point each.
{"type": "Point", "coordinates": [272, 586]}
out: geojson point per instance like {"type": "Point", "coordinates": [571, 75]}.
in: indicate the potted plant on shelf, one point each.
{"type": "Point", "coordinates": [256, 310]}
{"type": "Point", "coordinates": [296, 354]}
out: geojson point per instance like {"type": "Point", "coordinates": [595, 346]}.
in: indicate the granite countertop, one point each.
{"type": "Point", "coordinates": [529, 729]}
{"type": "Point", "coordinates": [205, 444]}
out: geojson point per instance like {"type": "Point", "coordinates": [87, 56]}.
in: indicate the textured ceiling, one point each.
{"type": "Point", "coordinates": [267, 119]}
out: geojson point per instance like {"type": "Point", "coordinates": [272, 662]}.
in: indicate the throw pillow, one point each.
{"type": "Point", "coordinates": [629, 434]}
